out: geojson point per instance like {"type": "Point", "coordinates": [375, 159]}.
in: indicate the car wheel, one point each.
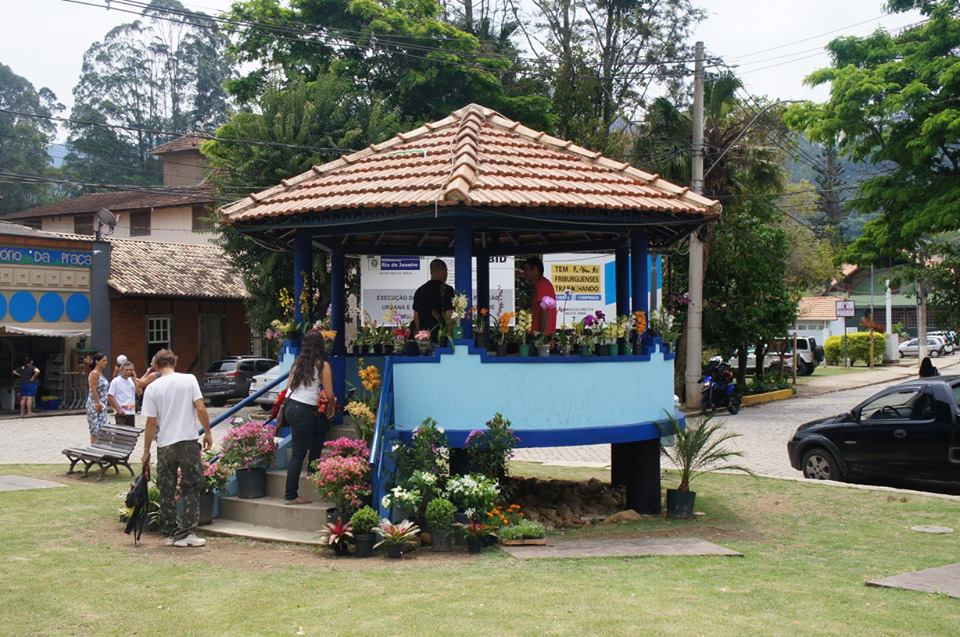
{"type": "Point", "coordinates": [218, 402]}
{"type": "Point", "coordinates": [934, 353]}
{"type": "Point", "coordinates": [819, 464]}
{"type": "Point", "coordinates": [802, 368]}
{"type": "Point", "coordinates": [267, 408]}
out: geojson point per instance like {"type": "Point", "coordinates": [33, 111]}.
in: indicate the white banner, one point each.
{"type": "Point", "coordinates": [388, 283]}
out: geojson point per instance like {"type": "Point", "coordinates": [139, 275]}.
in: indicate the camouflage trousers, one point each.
{"type": "Point", "coordinates": [185, 457]}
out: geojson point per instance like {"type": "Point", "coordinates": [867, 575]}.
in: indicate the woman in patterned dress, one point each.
{"type": "Point", "coordinates": [97, 396]}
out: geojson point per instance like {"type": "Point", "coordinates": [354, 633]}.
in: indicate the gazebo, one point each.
{"type": "Point", "coordinates": [475, 185]}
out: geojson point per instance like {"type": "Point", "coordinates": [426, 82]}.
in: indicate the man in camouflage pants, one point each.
{"type": "Point", "coordinates": [174, 409]}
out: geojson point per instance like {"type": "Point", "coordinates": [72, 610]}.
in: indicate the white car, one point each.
{"type": "Point", "coordinates": [936, 346]}
{"type": "Point", "coordinates": [268, 399]}
{"type": "Point", "coordinates": [947, 337]}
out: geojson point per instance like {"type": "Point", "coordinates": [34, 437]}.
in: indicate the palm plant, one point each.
{"type": "Point", "coordinates": [699, 448]}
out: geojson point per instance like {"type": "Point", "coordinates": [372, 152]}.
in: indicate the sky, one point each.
{"type": "Point", "coordinates": [776, 43]}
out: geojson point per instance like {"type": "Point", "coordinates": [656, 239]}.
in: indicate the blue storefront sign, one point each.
{"type": "Point", "coordinates": [399, 263]}
{"type": "Point", "coordinates": [11, 255]}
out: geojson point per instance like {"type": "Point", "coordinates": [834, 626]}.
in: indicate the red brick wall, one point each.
{"type": "Point", "coordinates": [128, 327]}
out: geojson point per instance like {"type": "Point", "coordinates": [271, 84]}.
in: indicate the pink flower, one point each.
{"type": "Point", "coordinates": [548, 303]}
{"type": "Point", "coordinates": [589, 320]}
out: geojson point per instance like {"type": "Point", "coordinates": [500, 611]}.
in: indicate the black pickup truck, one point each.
{"type": "Point", "coordinates": [905, 432]}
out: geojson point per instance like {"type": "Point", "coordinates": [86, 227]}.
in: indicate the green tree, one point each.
{"type": "Point", "coordinates": [811, 254]}
{"type": "Point", "coordinates": [162, 73]}
{"type": "Point", "coordinates": [327, 113]}
{"type": "Point", "coordinates": [24, 141]}
{"type": "Point", "coordinates": [943, 276]}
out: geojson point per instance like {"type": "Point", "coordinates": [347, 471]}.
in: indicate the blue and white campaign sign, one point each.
{"type": "Point", "coordinates": [388, 283]}
{"type": "Point", "coordinates": [586, 282]}
{"type": "Point", "coordinates": [11, 255]}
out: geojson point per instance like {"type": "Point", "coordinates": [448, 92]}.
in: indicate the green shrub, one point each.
{"type": "Point", "coordinates": [440, 513]}
{"type": "Point", "coordinates": [364, 520]}
{"type": "Point", "coordinates": [858, 348]}
{"type": "Point", "coordinates": [770, 382]}
{"type": "Point", "coordinates": [523, 530]}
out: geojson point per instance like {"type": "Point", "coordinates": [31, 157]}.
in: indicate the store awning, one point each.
{"type": "Point", "coordinates": [39, 331]}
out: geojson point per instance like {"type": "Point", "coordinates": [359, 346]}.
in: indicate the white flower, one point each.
{"type": "Point", "coordinates": [470, 512]}
{"type": "Point", "coordinates": [394, 447]}
{"type": "Point", "coordinates": [385, 502]}
{"type": "Point", "coordinates": [440, 429]}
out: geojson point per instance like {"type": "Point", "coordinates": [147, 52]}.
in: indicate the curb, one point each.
{"type": "Point", "coordinates": [889, 379]}
{"type": "Point", "coordinates": [766, 397]}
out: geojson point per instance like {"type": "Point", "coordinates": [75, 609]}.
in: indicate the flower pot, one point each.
{"type": "Point", "coordinates": [441, 540]}
{"type": "Point", "coordinates": [399, 345]}
{"type": "Point", "coordinates": [501, 349]}
{"type": "Point", "coordinates": [208, 505]}
{"type": "Point", "coordinates": [680, 503]}
{"type": "Point", "coordinates": [613, 349]}
{"type": "Point", "coordinates": [586, 350]}
{"type": "Point", "coordinates": [251, 483]}
{"type": "Point", "coordinates": [543, 350]}
{"type": "Point", "coordinates": [481, 340]}
{"type": "Point", "coordinates": [355, 349]}
{"type": "Point", "coordinates": [524, 350]}
{"type": "Point", "coordinates": [394, 551]}
{"type": "Point", "coordinates": [474, 545]}
{"type": "Point", "coordinates": [364, 544]}
{"type": "Point", "coordinates": [341, 549]}
{"type": "Point", "coordinates": [424, 347]}
{"type": "Point", "coordinates": [332, 515]}
{"type": "Point", "coordinates": [378, 349]}
{"type": "Point", "coordinates": [598, 350]}
{"type": "Point", "coordinates": [458, 332]}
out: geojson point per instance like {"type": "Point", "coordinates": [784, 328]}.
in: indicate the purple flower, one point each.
{"type": "Point", "coordinates": [548, 303]}
{"type": "Point", "coordinates": [476, 433]}
{"type": "Point", "coordinates": [600, 315]}
{"type": "Point", "coordinates": [588, 320]}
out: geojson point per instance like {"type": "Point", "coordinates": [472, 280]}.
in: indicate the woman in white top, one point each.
{"type": "Point", "coordinates": [310, 375]}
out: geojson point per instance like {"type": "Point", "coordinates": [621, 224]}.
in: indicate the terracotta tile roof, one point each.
{"type": "Point", "coordinates": [152, 268]}
{"type": "Point", "coordinates": [117, 201]}
{"type": "Point", "coordinates": [474, 157]}
{"type": "Point", "coordinates": [8, 229]}
{"type": "Point", "coordinates": [818, 308]}
{"type": "Point", "coordinates": [190, 141]}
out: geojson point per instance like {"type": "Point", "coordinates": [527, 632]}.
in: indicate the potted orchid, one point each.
{"type": "Point", "coordinates": [478, 317]}
{"type": "Point", "coordinates": [395, 537]}
{"type": "Point", "coordinates": [548, 307]}
{"type": "Point", "coordinates": [460, 305]}
{"type": "Point", "coordinates": [521, 330]}
{"type": "Point", "coordinates": [249, 447]}
{"type": "Point", "coordinates": [564, 339]}
{"type": "Point", "coordinates": [400, 336]}
{"type": "Point", "coordinates": [587, 335]}
{"type": "Point", "coordinates": [665, 326]}
{"type": "Point", "coordinates": [640, 329]}
{"type": "Point", "coordinates": [503, 332]}
{"type": "Point", "coordinates": [423, 341]}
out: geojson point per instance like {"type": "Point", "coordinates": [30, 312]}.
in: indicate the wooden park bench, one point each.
{"type": "Point", "coordinates": [112, 449]}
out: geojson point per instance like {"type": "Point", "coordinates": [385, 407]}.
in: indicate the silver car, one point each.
{"type": "Point", "coordinates": [936, 346]}
{"type": "Point", "coordinates": [268, 399]}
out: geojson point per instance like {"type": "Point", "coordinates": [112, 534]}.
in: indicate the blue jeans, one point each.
{"type": "Point", "coordinates": [309, 430]}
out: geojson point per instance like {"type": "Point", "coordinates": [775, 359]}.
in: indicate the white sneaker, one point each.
{"type": "Point", "coordinates": [190, 540]}
{"type": "Point", "coordinates": [168, 541]}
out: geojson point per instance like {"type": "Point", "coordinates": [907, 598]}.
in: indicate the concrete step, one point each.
{"type": "Point", "coordinates": [277, 481]}
{"type": "Point", "coordinates": [234, 528]}
{"type": "Point", "coordinates": [272, 512]}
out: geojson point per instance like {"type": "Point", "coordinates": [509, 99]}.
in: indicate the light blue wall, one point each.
{"type": "Point", "coordinates": [557, 400]}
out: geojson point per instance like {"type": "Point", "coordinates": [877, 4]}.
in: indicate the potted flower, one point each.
{"type": "Point", "coordinates": [479, 321]}
{"type": "Point", "coordinates": [564, 340]}
{"type": "Point", "coordinates": [460, 304]}
{"type": "Point", "coordinates": [587, 337]}
{"type": "Point", "coordinates": [396, 536]}
{"type": "Point", "coordinates": [503, 332]}
{"type": "Point", "coordinates": [639, 328]}
{"type": "Point", "coordinates": [402, 502]}
{"type": "Point", "coordinates": [548, 304]}
{"type": "Point", "coordinates": [335, 535]}
{"type": "Point", "coordinates": [523, 533]}
{"type": "Point", "coordinates": [363, 522]}
{"type": "Point", "coordinates": [343, 477]}
{"type": "Point", "coordinates": [329, 338]}
{"type": "Point", "coordinates": [248, 448]}
{"type": "Point", "coordinates": [400, 336]}
{"type": "Point", "coordinates": [473, 494]}
{"type": "Point", "coordinates": [664, 326]}
{"type": "Point", "coordinates": [490, 449]}
{"type": "Point", "coordinates": [520, 331]}
{"type": "Point", "coordinates": [216, 472]}
{"type": "Point", "coordinates": [475, 533]}
{"type": "Point", "coordinates": [423, 342]}
{"type": "Point", "coordinates": [440, 522]}
{"type": "Point", "coordinates": [697, 448]}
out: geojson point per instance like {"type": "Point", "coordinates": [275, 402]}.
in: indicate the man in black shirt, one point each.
{"type": "Point", "coordinates": [433, 299]}
{"type": "Point", "coordinates": [27, 375]}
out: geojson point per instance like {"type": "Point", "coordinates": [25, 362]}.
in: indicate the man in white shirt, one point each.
{"type": "Point", "coordinates": [173, 405]}
{"type": "Point", "coordinates": [122, 395]}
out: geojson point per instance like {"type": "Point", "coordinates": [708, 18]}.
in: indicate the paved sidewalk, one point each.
{"type": "Point", "coordinates": [904, 370]}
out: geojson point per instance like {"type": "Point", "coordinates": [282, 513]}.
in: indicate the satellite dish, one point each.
{"type": "Point", "coordinates": [107, 218]}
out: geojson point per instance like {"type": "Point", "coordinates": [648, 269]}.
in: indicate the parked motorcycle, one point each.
{"type": "Point", "coordinates": [719, 388]}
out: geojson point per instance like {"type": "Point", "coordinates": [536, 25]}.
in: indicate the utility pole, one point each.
{"type": "Point", "coordinates": [695, 309]}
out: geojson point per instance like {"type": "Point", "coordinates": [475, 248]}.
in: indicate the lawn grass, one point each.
{"type": "Point", "coordinates": [66, 569]}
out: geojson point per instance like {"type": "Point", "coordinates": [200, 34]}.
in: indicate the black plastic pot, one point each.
{"type": "Point", "coordinates": [501, 349]}
{"type": "Point", "coordinates": [378, 349]}
{"type": "Point", "coordinates": [341, 549]}
{"type": "Point", "coordinates": [332, 515]}
{"type": "Point", "coordinates": [364, 544]}
{"type": "Point", "coordinates": [394, 551]}
{"type": "Point", "coordinates": [251, 483]}
{"type": "Point", "coordinates": [441, 540]}
{"type": "Point", "coordinates": [474, 546]}
{"type": "Point", "coordinates": [481, 341]}
{"type": "Point", "coordinates": [206, 508]}
{"type": "Point", "coordinates": [680, 503]}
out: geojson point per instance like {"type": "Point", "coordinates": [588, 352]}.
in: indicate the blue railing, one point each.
{"type": "Point", "coordinates": [380, 432]}
{"type": "Point", "coordinates": [246, 401]}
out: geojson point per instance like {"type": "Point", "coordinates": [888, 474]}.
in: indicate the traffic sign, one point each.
{"type": "Point", "coordinates": [846, 309]}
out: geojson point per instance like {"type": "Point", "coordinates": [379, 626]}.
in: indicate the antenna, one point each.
{"type": "Point", "coordinates": [105, 218]}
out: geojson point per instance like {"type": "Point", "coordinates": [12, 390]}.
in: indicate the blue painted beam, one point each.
{"type": "Point", "coordinates": [338, 298]}
{"type": "Point", "coordinates": [483, 280]}
{"type": "Point", "coordinates": [640, 275]}
{"type": "Point", "coordinates": [622, 270]}
{"type": "Point", "coordinates": [302, 266]}
{"type": "Point", "coordinates": [463, 264]}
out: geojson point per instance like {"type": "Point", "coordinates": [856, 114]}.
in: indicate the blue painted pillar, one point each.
{"type": "Point", "coordinates": [640, 275]}
{"type": "Point", "coordinates": [302, 266]}
{"type": "Point", "coordinates": [622, 270]}
{"type": "Point", "coordinates": [338, 314]}
{"type": "Point", "coordinates": [463, 264]}
{"type": "Point", "coordinates": [483, 280]}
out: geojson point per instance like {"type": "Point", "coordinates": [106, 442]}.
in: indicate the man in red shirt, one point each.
{"type": "Point", "coordinates": [544, 313]}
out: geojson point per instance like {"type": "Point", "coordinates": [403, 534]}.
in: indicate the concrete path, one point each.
{"type": "Point", "coordinates": [620, 547]}
{"type": "Point", "coordinates": [944, 580]}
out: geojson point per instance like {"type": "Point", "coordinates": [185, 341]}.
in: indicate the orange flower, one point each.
{"type": "Point", "coordinates": [505, 318]}
{"type": "Point", "coordinates": [483, 311]}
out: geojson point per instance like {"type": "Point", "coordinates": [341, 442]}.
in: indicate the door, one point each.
{"type": "Point", "coordinates": [211, 340]}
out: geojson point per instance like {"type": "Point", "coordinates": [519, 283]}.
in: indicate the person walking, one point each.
{"type": "Point", "coordinates": [310, 377]}
{"type": "Point", "coordinates": [122, 395]}
{"type": "Point", "coordinates": [97, 395]}
{"type": "Point", "coordinates": [173, 405]}
{"type": "Point", "coordinates": [27, 375]}
{"type": "Point", "coordinates": [927, 370]}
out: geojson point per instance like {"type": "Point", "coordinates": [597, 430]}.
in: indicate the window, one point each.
{"type": "Point", "coordinates": [140, 223]}
{"type": "Point", "coordinates": [894, 406]}
{"type": "Point", "coordinates": [158, 334]}
{"type": "Point", "coordinates": [83, 224]}
{"type": "Point", "coordinates": [36, 224]}
{"type": "Point", "coordinates": [222, 366]}
{"type": "Point", "coordinates": [201, 221]}
{"type": "Point", "coordinates": [265, 365]}
{"type": "Point", "coordinates": [247, 367]}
